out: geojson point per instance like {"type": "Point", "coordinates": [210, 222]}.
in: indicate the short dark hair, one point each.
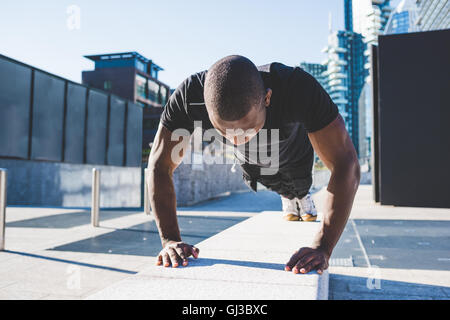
{"type": "Point", "coordinates": [233, 86]}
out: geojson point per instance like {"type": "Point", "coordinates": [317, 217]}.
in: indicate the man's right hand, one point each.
{"type": "Point", "coordinates": [175, 253]}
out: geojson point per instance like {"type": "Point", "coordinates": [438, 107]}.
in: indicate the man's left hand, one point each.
{"type": "Point", "coordinates": [308, 259]}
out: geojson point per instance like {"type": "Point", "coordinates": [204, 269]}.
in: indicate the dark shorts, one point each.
{"type": "Point", "coordinates": [290, 182]}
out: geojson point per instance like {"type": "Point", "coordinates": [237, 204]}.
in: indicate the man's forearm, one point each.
{"type": "Point", "coordinates": [163, 201]}
{"type": "Point", "coordinates": [338, 204]}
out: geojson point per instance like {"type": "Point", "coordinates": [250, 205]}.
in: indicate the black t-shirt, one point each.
{"type": "Point", "coordinates": [298, 105]}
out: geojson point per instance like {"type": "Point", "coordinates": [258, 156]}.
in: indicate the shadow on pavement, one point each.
{"type": "Point", "coordinates": [82, 264]}
{"type": "Point", "coordinates": [207, 262]}
{"type": "Point", "coordinates": [343, 287]}
{"type": "Point", "coordinates": [240, 202]}
{"type": "Point", "coordinates": [66, 220]}
{"type": "Point", "coordinates": [143, 239]}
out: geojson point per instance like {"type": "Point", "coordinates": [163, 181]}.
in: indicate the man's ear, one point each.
{"type": "Point", "coordinates": [267, 97]}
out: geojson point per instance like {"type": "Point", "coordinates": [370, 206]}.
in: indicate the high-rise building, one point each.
{"type": "Point", "coordinates": [134, 77]}
{"type": "Point", "coordinates": [365, 121]}
{"type": "Point", "coordinates": [369, 17]}
{"type": "Point", "coordinates": [403, 18]}
{"type": "Point", "coordinates": [345, 76]}
{"type": "Point", "coordinates": [316, 70]}
{"type": "Point", "coordinates": [433, 14]}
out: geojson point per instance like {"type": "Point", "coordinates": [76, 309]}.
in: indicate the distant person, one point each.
{"type": "Point", "coordinates": [241, 101]}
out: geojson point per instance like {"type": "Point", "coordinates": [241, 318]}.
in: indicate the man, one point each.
{"type": "Point", "coordinates": [239, 100]}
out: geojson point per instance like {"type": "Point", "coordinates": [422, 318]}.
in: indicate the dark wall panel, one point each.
{"type": "Point", "coordinates": [134, 135]}
{"type": "Point", "coordinates": [375, 160]}
{"type": "Point", "coordinates": [96, 127]}
{"type": "Point", "coordinates": [48, 115]}
{"type": "Point", "coordinates": [414, 114]}
{"type": "Point", "coordinates": [75, 121]}
{"type": "Point", "coordinates": [116, 132]}
{"type": "Point", "coordinates": [15, 82]}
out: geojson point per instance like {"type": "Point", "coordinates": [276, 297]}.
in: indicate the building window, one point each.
{"type": "Point", "coordinates": [140, 66]}
{"type": "Point", "coordinates": [107, 85]}
{"type": "Point", "coordinates": [140, 86]}
{"type": "Point", "coordinates": [153, 90]}
{"type": "Point", "coordinates": [163, 95]}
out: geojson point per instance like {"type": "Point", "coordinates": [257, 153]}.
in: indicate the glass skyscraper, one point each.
{"type": "Point", "coordinates": [369, 17]}
{"type": "Point", "coordinates": [403, 19]}
{"type": "Point", "coordinates": [433, 14]}
{"type": "Point", "coordinates": [345, 74]}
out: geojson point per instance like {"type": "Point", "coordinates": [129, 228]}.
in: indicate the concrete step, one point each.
{"type": "Point", "coordinates": [245, 261]}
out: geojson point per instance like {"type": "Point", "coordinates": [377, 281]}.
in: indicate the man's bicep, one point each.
{"type": "Point", "coordinates": [333, 144]}
{"type": "Point", "coordinates": [168, 148]}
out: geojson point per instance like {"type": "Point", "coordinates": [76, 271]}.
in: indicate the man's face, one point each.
{"type": "Point", "coordinates": [243, 130]}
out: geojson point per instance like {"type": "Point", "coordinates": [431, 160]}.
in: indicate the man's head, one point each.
{"type": "Point", "coordinates": [235, 97]}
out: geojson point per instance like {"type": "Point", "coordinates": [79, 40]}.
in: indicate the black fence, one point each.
{"type": "Point", "coordinates": [48, 118]}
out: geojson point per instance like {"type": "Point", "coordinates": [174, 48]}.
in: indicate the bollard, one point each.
{"type": "Point", "coordinates": [146, 198]}
{"type": "Point", "coordinates": [3, 183]}
{"type": "Point", "coordinates": [95, 206]}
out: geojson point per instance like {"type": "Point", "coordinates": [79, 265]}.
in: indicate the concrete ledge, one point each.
{"type": "Point", "coordinates": [245, 261]}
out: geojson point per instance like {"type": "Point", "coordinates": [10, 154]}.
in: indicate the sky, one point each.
{"type": "Point", "coordinates": [183, 37]}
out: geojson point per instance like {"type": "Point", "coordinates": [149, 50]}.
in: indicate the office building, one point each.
{"type": "Point", "coordinates": [433, 14]}
{"type": "Point", "coordinates": [403, 18]}
{"type": "Point", "coordinates": [368, 17]}
{"type": "Point", "coordinates": [345, 76]}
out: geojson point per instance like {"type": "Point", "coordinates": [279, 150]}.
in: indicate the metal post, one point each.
{"type": "Point", "coordinates": [95, 206]}
{"type": "Point", "coordinates": [3, 180]}
{"type": "Point", "coordinates": [146, 199]}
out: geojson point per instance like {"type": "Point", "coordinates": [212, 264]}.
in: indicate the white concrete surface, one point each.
{"type": "Point", "coordinates": [245, 261]}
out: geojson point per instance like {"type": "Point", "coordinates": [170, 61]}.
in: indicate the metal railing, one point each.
{"type": "Point", "coordinates": [95, 201]}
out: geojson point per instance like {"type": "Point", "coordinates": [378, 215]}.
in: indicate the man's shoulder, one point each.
{"type": "Point", "coordinates": [197, 79]}
{"type": "Point", "coordinates": [281, 74]}
{"type": "Point", "coordinates": [193, 88]}
{"type": "Point", "coordinates": [274, 67]}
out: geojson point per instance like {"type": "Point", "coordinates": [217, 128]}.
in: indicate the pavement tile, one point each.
{"type": "Point", "coordinates": [374, 296]}
{"type": "Point", "coordinates": [399, 290]}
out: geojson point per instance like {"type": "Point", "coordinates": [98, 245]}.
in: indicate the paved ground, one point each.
{"type": "Point", "coordinates": [56, 254]}
{"type": "Point", "coordinates": [385, 252]}
{"type": "Point", "coordinates": [396, 252]}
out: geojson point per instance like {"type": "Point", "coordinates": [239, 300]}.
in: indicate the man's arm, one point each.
{"type": "Point", "coordinates": [164, 158]}
{"type": "Point", "coordinates": [336, 150]}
